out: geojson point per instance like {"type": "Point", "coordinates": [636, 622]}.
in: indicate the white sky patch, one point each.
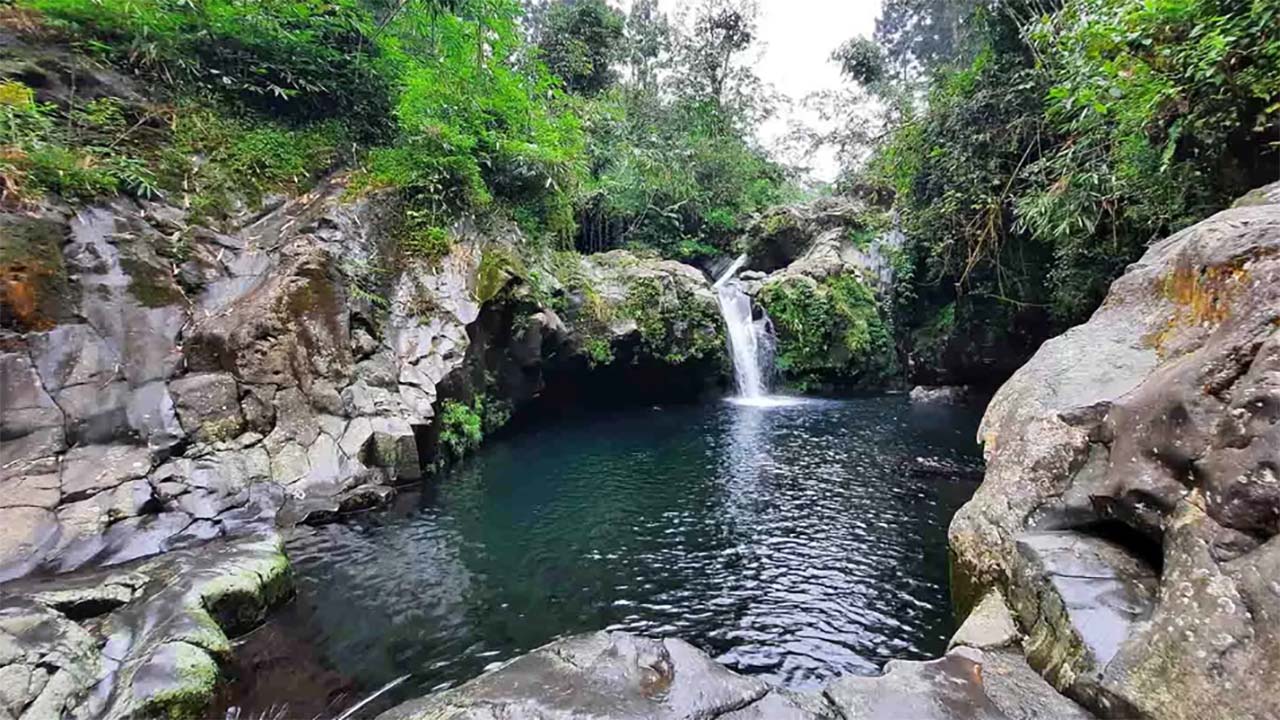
{"type": "Point", "coordinates": [798, 37]}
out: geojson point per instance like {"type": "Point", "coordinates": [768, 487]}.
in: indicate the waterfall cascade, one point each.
{"type": "Point", "coordinates": [750, 340]}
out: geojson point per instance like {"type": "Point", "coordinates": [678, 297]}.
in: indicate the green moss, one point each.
{"type": "Point", "coordinates": [830, 333]}
{"type": "Point", "coordinates": [675, 326]}
{"type": "Point", "coordinates": [205, 633]}
{"type": "Point", "coordinates": [151, 286]}
{"type": "Point", "coordinates": [239, 598]}
{"type": "Point", "coordinates": [776, 223]}
{"type": "Point", "coordinates": [194, 678]}
{"type": "Point", "coordinates": [498, 267]}
{"type": "Point", "coordinates": [219, 430]}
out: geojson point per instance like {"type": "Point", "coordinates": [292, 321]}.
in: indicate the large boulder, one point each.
{"type": "Point", "coordinates": [615, 675]}
{"type": "Point", "coordinates": [1131, 502]}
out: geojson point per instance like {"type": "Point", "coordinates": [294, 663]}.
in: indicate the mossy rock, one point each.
{"type": "Point", "coordinates": [239, 598]}
{"type": "Point", "coordinates": [34, 290]}
{"type": "Point", "coordinates": [152, 286]}
{"type": "Point", "coordinates": [177, 683]}
{"type": "Point", "coordinates": [675, 326]}
{"type": "Point", "coordinates": [830, 333]}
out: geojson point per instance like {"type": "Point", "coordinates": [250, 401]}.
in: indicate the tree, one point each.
{"type": "Point", "coordinates": [579, 40]}
{"type": "Point", "coordinates": [919, 36]}
{"type": "Point", "coordinates": [861, 60]}
{"type": "Point", "coordinates": [648, 42]}
{"type": "Point", "coordinates": [707, 65]}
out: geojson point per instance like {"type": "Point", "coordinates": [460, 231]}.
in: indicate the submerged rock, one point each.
{"type": "Point", "coordinates": [941, 394]}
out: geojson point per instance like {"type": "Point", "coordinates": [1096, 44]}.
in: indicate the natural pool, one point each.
{"type": "Point", "coordinates": [796, 543]}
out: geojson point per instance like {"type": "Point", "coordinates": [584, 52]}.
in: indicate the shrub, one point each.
{"type": "Point", "coordinates": [296, 59]}
{"type": "Point", "coordinates": [830, 332]}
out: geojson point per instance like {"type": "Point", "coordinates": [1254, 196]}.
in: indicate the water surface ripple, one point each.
{"type": "Point", "coordinates": [794, 543]}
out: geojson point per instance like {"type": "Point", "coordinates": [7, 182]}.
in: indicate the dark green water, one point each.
{"type": "Point", "coordinates": [795, 543]}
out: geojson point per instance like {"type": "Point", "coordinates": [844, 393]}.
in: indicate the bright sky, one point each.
{"type": "Point", "coordinates": [799, 36]}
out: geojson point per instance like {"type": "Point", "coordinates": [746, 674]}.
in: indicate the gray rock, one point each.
{"type": "Point", "coordinates": [96, 413]}
{"type": "Point", "coordinates": [74, 355]}
{"type": "Point", "coordinates": [42, 491]}
{"type": "Point", "coordinates": [950, 687]}
{"type": "Point", "coordinates": [33, 453]}
{"type": "Point", "coordinates": [941, 394]}
{"type": "Point", "coordinates": [600, 675]}
{"type": "Point", "coordinates": [152, 416]}
{"type": "Point", "coordinates": [27, 407]}
{"type": "Point", "coordinates": [1153, 425]}
{"type": "Point", "coordinates": [26, 535]}
{"type": "Point", "coordinates": [988, 627]}
{"type": "Point", "coordinates": [208, 405]}
{"type": "Point", "coordinates": [90, 469]}
{"type": "Point", "coordinates": [164, 623]}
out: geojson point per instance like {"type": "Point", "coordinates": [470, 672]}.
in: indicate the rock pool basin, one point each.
{"type": "Point", "coordinates": [795, 542]}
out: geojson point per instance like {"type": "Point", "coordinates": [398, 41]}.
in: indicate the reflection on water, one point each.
{"type": "Point", "coordinates": [796, 543]}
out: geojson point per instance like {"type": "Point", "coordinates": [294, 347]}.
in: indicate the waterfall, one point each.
{"type": "Point", "coordinates": [750, 341]}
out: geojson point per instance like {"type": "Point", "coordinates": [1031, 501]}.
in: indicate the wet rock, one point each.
{"type": "Point", "coordinates": [57, 658]}
{"type": "Point", "coordinates": [942, 394]}
{"type": "Point", "coordinates": [781, 704]}
{"type": "Point", "coordinates": [26, 534]}
{"type": "Point", "coordinates": [177, 681]}
{"type": "Point", "coordinates": [1082, 597]}
{"type": "Point", "coordinates": [600, 675]}
{"type": "Point", "coordinates": [159, 631]}
{"type": "Point", "coordinates": [151, 414]}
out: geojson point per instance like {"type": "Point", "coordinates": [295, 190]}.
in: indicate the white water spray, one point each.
{"type": "Point", "coordinates": [750, 341]}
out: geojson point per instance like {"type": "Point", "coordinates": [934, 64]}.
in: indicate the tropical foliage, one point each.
{"type": "Point", "coordinates": [1038, 146]}
{"type": "Point", "coordinates": [585, 126]}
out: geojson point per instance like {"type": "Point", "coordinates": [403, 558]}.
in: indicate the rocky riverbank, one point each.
{"type": "Point", "coordinates": [172, 385]}
{"type": "Point", "coordinates": [1131, 503]}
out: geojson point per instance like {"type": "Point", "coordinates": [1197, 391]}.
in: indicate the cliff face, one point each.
{"type": "Point", "coordinates": [1131, 504]}
{"type": "Point", "coordinates": [177, 391]}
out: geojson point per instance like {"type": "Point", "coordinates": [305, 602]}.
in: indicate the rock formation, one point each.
{"type": "Point", "coordinates": [1131, 504]}
{"type": "Point", "coordinates": [167, 383]}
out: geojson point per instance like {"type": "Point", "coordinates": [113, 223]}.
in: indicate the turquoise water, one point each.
{"type": "Point", "coordinates": [794, 543]}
